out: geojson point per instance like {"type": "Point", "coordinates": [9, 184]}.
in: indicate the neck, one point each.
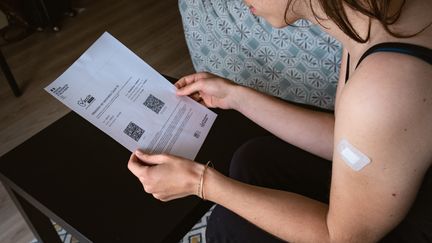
{"type": "Point", "coordinates": [303, 9]}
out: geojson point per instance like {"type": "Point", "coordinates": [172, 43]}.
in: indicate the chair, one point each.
{"type": "Point", "coordinates": [9, 76]}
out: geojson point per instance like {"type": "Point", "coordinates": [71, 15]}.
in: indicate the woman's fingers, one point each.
{"type": "Point", "coordinates": [164, 176]}
{"type": "Point", "coordinates": [136, 167]}
{"type": "Point", "coordinates": [191, 78]}
{"type": "Point", "coordinates": [180, 83]}
{"type": "Point", "coordinates": [191, 88]}
{"type": "Point", "coordinates": [140, 163]}
{"type": "Point", "coordinates": [149, 159]}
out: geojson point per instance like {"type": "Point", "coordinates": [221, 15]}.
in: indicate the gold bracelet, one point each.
{"type": "Point", "coordinates": [201, 183]}
{"type": "Point", "coordinates": [199, 192]}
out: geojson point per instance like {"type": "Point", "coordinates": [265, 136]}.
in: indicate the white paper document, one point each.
{"type": "Point", "coordinates": [119, 93]}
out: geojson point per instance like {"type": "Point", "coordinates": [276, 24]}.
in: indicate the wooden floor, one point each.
{"type": "Point", "coordinates": [150, 28]}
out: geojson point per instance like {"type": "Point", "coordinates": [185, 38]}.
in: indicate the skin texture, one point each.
{"type": "Point", "coordinates": [384, 111]}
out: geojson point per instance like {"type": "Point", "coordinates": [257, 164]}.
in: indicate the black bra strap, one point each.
{"type": "Point", "coordinates": [347, 71]}
{"type": "Point", "coordinates": [413, 50]}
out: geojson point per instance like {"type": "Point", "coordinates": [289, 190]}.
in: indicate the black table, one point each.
{"type": "Point", "coordinates": [77, 175]}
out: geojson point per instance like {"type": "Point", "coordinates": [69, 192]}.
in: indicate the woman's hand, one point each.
{"type": "Point", "coordinates": [166, 177]}
{"type": "Point", "coordinates": [209, 89]}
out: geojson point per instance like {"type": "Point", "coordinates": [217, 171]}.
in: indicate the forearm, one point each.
{"type": "Point", "coordinates": [307, 129]}
{"type": "Point", "coordinates": [289, 216]}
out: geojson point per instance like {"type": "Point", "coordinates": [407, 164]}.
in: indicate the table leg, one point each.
{"type": "Point", "coordinates": [9, 76]}
{"type": "Point", "coordinates": [39, 223]}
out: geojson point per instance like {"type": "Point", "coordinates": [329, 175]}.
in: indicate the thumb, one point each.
{"type": "Point", "coordinates": [147, 158]}
{"type": "Point", "coordinates": [190, 88]}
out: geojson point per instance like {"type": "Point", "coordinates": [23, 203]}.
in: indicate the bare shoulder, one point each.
{"type": "Point", "coordinates": [390, 95]}
{"type": "Point", "coordinates": [384, 112]}
{"type": "Point", "coordinates": [395, 91]}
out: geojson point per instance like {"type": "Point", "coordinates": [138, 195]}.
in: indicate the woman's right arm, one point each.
{"type": "Point", "coordinates": [309, 130]}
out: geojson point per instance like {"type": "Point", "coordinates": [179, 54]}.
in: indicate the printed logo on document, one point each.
{"type": "Point", "coordinates": [59, 91]}
{"type": "Point", "coordinates": [204, 120]}
{"type": "Point", "coordinates": [197, 134]}
{"type": "Point", "coordinates": [86, 102]}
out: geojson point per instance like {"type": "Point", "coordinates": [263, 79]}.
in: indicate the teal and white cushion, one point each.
{"type": "Point", "coordinates": [298, 63]}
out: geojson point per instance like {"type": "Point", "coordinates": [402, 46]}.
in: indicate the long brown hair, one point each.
{"type": "Point", "coordinates": [379, 10]}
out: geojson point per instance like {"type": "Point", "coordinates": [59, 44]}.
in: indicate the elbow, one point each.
{"type": "Point", "coordinates": [342, 236]}
{"type": "Point", "coordinates": [337, 233]}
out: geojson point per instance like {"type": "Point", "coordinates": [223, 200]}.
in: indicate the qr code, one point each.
{"type": "Point", "coordinates": [134, 131]}
{"type": "Point", "coordinates": [154, 104]}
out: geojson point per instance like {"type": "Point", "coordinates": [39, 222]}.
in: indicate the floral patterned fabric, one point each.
{"type": "Point", "coordinates": [299, 63]}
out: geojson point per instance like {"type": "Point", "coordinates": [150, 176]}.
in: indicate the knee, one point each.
{"type": "Point", "coordinates": [226, 226]}
{"type": "Point", "coordinates": [216, 230]}
{"type": "Point", "coordinates": [249, 160]}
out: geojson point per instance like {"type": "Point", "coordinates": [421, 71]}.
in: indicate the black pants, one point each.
{"type": "Point", "coordinates": [272, 163]}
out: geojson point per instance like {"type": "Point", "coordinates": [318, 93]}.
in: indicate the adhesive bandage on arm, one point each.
{"type": "Point", "coordinates": [352, 156]}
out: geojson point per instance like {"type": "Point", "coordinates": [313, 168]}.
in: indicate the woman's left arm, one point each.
{"type": "Point", "coordinates": [386, 121]}
{"type": "Point", "coordinates": [386, 116]}
{"type": "Point", "coordinates": [384, 112]}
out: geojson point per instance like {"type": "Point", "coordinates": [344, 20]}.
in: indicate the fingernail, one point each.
{"type": "Point", "coordinates": [139, 153]}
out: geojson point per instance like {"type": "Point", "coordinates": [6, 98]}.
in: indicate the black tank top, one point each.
{"type": "Point", "coordinates": [405, 48]}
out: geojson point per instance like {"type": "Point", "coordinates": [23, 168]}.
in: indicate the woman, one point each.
{"type": "Point", "coordinates": [379, 139]}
